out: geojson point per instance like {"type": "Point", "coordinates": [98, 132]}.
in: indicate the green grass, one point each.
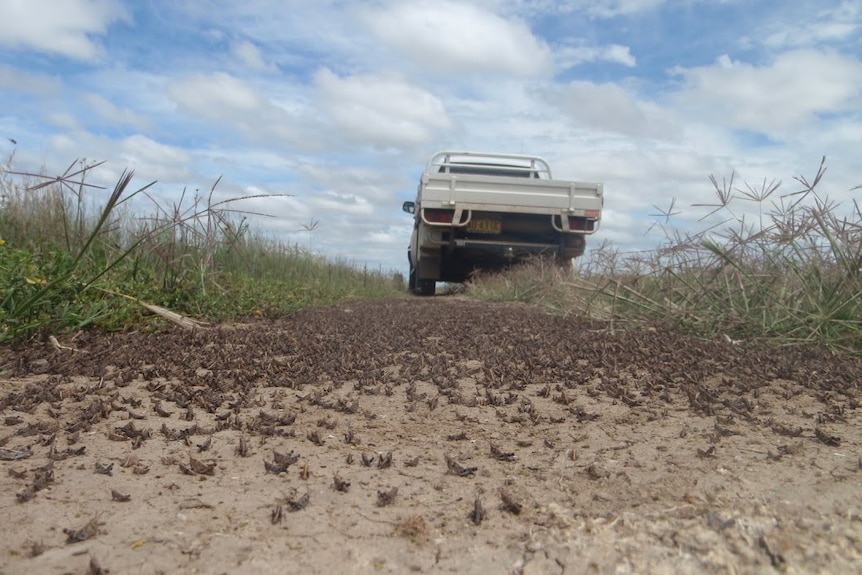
{"type": "Point", "coordinates": [792, 274]}
{"type": "Point", "coordinates": [67, 263]}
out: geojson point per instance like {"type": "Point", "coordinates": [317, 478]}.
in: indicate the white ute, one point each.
{"type": "Point", "coordinates": [486, 211]}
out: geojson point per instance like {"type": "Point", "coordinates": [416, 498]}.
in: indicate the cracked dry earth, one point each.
{"type": "Point", "coordinates": [429, 436]}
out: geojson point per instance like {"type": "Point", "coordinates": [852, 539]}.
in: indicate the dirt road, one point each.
{"type": "Point", "coordinates": [429, 436]}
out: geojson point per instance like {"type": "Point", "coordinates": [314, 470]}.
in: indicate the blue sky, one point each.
{"type": "Point", "coordinates": [340, 103]}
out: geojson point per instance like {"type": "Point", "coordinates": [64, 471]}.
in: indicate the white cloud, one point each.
{"type": "Point", "coordinates": [618, 226]}
{"type": "Point", "coordinates": [62, 120]}
{"type": "Point", "coordinates": [776, 99]}
{"type": "Point", "coordinates": [250, 55]}
{"type": "Point", "coordinates": [112, 113]}
{"type": "Point", "coordinates": [156, 160]}
{"type": "Point", "coordinates": [226, 101]}
{"type": "Point", "coordinates": [341, 203]}
{"type": "Point", "coordinates": [16, 80]}
{"type": "Point", "coordinates": [65, 28]}
{"type": "Point", "coordinates": [595, 8]}
{"type": "Point", "coordinates": [610, 8]}
{"type": "Point", "coordinates": [214, 95]}
{"type": "Point", "coordinates": [281, 212]}
{"type": "Point", "coordinates": [151, 160]}
{"type": "Point", "coordinates": [382, 110]}
{"type": "Point", "coordinates": [831, 24]}
{"type": "Point", "coordinates": [569, 56]}
{"type": "Point", "coordinates": [389, 237]}
{"type": "Point", "coordinates": [609, 107]}
{"type": "Point", "coordinates": [452, 37]}
{"type": "Point", "coordinates": [810, 34]}
{"type": "Point", "coordinates": [338, 219]}
{"type": "Point", "coordinates": [363, 181]}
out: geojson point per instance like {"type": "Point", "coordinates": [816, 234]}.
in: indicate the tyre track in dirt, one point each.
{"type": "Point", "coordinates": [431, 435]}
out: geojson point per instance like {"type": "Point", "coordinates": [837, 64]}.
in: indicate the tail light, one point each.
{"type": "Point", "coordinates": [579, 224]}
{"type": "Point", "coordinates": [438, 216]}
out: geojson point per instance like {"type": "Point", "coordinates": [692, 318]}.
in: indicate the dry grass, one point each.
{"type": "Point", "coordinates": [792, 274]}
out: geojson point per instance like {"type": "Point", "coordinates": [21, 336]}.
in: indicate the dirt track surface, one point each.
{"type": "Point", "coordinates": [429, 436]}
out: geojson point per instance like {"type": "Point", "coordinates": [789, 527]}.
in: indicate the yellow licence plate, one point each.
{"type": "Point", "coordinates": [481, 226]}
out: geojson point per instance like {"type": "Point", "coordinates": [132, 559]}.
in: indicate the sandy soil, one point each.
{"type": "Point", "coordinates": [429, 436]}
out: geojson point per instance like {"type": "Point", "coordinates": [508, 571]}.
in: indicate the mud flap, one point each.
{"type": "Point", "coordinates": [429, 268]}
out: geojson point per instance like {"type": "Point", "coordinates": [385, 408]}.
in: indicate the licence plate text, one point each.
{"type": "Point", "coordinates": [482, 226]}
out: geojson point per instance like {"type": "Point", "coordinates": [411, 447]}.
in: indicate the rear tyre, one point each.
{"type": "Point", "coordinates": [425, 287]}
{"type": "Point", "coordinates": [411, 281]}
{"type": "Point", "coordinates": [416, 285]}
{"type": "Point", "coordinates": [411, 278]}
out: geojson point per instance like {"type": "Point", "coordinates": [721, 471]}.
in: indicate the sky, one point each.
{"type": "Point", "coordinates": [329, 109]}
